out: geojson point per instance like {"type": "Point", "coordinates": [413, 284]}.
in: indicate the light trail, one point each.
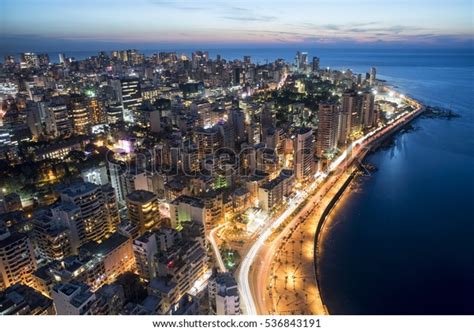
{"type": "Point", "coordinates": [215, 247]}
{"type": "Point", "coordinates": [250, 307]}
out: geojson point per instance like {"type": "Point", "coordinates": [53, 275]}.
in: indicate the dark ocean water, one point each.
{"type": "Point", "coordinates": [404, 243]}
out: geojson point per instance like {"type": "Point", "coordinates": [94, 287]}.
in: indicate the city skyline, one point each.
{"type": "Point", "coordinates": [151, 23]}
{"type": "Point", "coordinates": [282, 160]}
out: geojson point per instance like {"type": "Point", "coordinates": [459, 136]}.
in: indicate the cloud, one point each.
{"type": "Point", "coordinates": [250, 18]}
{"type": "Point", "coordinates": [176, 4]}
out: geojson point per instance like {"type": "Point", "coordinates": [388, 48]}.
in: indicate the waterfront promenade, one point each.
{"type": "Point", "coordinates": [283, 277]}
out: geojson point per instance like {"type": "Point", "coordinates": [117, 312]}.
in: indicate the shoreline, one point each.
{"type": "Point", "coordinates": [342, 193]}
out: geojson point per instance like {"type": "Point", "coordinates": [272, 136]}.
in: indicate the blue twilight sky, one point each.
{"type": "Point", "coordinates": [88, 24]}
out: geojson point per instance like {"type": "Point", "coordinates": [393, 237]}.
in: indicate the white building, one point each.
{"type": "Point", "coordinates": [187, 209]}
{"type": "Point", "coordinates": [73, 299]}
{"type": "Point", "coordinates": [304, 154]}
{"type": "Point", "coordinates": [224, 295]}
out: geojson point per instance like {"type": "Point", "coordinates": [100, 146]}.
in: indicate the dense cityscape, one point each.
{"type": "Point", "coordinates": [174, 184]}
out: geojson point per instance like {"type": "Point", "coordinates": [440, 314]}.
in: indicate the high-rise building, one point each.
{"type": "Point", "coordinates": [17, 259]}
{"type": "Point", "coordinates": [62, 58]}
{"type": "Point", "coordinates": [236, 73]}
{"type": "Point", "coordinates": [373, 76]}
{"type": "Point", "coordinates": [53, 239]}
{"type": "Point", "coordinates": [58, 121]}
{"type": "Point", "coordinates": [79, 114]}
{"type": "Point", "coordinates": [368, 109]}
{"type": "Point", "coordinates": [208, 141]}
{"type": "Point", "coordinates": [224, 294]}
{"type": "Point", "coordinates": [304, 154]}
{"type": "Point", "coordinates": [143, 210]}
{"type": "Point", "coordinates": [96, 110]}
{"type": "Point", "coordinates": [43, 59]}
{"type": "Point", "coordinates": [187, 209]}
{"type": "Point", "coordinates": [145, 248]}
{"type": "Point", "coordinates": [180, 262]}
{"type": "Point", "coordinates": [131, 97]}
{"type": "Point", "coordinates": [270, 194]}
{"type": "Point", "coordinates": [315, 64]}
{"type": "Point", "coordinates": [89, 210]}
{"type": "Point", "coordinates": [29, 60]}
{"type": "Point", "coordinates": [348, 117]}
{"type": "Point", "coordinates": [114, 114]}
{"type": "Point", "coordinates": [328, 116]}
{"type": "Point", "coordinates": [301, 61]}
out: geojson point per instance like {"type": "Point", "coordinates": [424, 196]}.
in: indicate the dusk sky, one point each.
{"type": "Point", "coordinates": [63, 24]}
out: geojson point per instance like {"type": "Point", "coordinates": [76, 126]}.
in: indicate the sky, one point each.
{"type": "Point", "coordinates": [89, 24]}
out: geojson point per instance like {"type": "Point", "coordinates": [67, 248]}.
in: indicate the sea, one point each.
{"type": "Point", "coordinates": [401, 241]}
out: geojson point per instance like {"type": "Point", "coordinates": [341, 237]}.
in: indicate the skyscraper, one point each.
{"type": "Point", "coordinates": [348, 117]}
{"type": "Point", "coordinates": [368, 109]}
{"type": "Point", "coordinates": [79, 113]}
{"type": "Point", "coordinates": [301, 61]}
{"type": "Point", "coordinates": [315, 65]}
{"type": "Point", "coordinates": [304, 154]}
{"type": "Point", "coordinates": [327, 128]}
{"type": "Point", "coordinates": [131, 97]}
{"type": "Point", "coordinates": [373, 73]}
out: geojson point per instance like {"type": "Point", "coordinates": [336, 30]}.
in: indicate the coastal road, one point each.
{"type": "Point", "coordinates": [260, 280]}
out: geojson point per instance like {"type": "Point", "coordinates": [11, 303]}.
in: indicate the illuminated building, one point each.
{"type": "Point", "coordinates": [17, 259]}
{"type": "Point", "coordinates": [89, 211]}
{"type": "Point", "coordinates": [304, 154]}
{"type": "Point", "coordinates": [79, 114]}
{"type": "Point", "coordinates": [60, 149]}
{"type": "Point", "coordinates": [315, 65]}
{"type": "Point", "coordinates": [187, 209]}
{"type": "Point", "coordinates": [96, 175]}
{"type": "Point", "coordinates": [213, 205]}
{"type": "Point", "coordinates": [131, 97]}
{"type": "Point", "coordinates": [147, 116]}
{"type": "Point", "coordinates": [145, 248]}
{"type": "Point", "coordinates": [114, 114]}
{"type": "Point", "coordinates": [74, 299]}
{"type": "Point", "coordinates": [224, 296]}
{"type": "Point", "coordinates": [270, 194]}
{"type": "Point", "coordinates": [328, 116]}
{"type": "Point", "coordinates": [301, 61]}
{"type": "Point", "coordinates": [368, 109]}
{"type": "Point", "coordinates": [57, 118]}
{"type": "Point", "coordinates": [348, 117]}
{"type": "Point", "coordinates": [143, 209]}
{"type": "Point", "coordinates": [29, 60]}
{"type": "Point", "coordinates": [115, 254]}
{"type": "Point", "coordinates": [208, 141]}
{"type": "Point", "coordinates": [23, 300]}
{"type": "Point", "coordinates": [180, 262]}
{"type": "Point", "coordinates": [43, 59]}
{"type": "Point", "coordinates": [53, 240]}
{"type": "Point", "coordinates": [96, 109]}
{"type": "Point", "coordinates": [372, 76]}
